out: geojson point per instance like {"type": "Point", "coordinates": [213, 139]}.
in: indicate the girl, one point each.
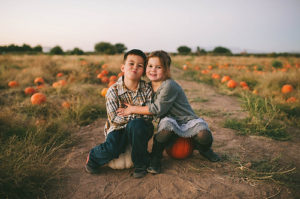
{"type": "Point", "coordinates": [176, 116]}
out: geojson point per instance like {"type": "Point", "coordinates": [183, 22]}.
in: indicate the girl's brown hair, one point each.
{"type": "Point", "coordinates": [164, 59]}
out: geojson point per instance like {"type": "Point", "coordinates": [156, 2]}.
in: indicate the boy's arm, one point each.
{"type": "Point", "coordinates": [112, 105]}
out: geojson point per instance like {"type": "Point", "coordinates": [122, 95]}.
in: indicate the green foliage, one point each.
{"type": "Point", "coordinates": [221, 50]}
{"type": "Point", "coordinates": [120, 48]}
{"type": "Point", "coordinates": [25, 48]}
{"type": "Point", "coordinates": [263, 119]}
{"type": "Point", "coordinates": [77, 51]}
{"type": "Point", "coordinates": [105, 48]}
{"type": "Point", "coordinates": [184, 50]}
{"type": "Point", "coordinates": [277, 64]}
{"type": "Point", "coordinates": [57, 50]}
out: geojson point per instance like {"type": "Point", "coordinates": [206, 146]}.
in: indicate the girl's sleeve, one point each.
{"type": "Point", "coordinates": [164, 100]}
{"type": "Point", "coordinates": [112, 105]}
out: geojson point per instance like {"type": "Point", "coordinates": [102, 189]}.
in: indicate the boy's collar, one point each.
{"type": "Point", "coordinates": [122, 88]}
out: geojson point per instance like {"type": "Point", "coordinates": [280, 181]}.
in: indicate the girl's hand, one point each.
{"type": "Point", "coordinates": [125, 111]}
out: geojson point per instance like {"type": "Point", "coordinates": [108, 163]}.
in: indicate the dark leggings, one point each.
{"type": "Point", "coordinates": [202, 141]}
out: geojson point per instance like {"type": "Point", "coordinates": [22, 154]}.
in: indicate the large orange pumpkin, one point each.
{"type": "Point", "coordinates": [291, 100]}
{"type": "Point", "coordinates": [100, 75]}
{"type": "Point", "coordinates": [231, 84]}
{"type": "Point", "coordinates": [287, 88]}
{"type": "Point", "coordinates": [29, 91]}
{"type": "Point", "coordinates": [38, 98]}
{"type": "Point", "coordinates": [104, 72]}
{"type": "Point", "coordinates": [182, 148]}
{"type": "Point", "coordinates": [13, 84]}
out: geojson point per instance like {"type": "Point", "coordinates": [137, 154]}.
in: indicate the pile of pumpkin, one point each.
{"type": "Point", "coordinates": [105, 79]}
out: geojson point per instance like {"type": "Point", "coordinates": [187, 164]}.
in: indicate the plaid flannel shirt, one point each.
{"type": "Point", "coordinates": [117, 95]}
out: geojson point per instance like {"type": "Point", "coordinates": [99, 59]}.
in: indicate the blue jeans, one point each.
{"type": "Point", "coordinates": [137, 133]}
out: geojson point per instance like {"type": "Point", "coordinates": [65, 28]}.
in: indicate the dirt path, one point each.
{"type": "Point", "coordinates": [194, 177]}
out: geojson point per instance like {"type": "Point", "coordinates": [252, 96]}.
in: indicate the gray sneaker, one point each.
{"type": "Point", "coordinates": [139, 172]}
{"type": "Point", "coordinates": [91, 170]}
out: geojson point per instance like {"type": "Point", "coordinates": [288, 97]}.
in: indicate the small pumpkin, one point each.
{"type": "Point", "coordinates": [38, 98]}
{"type": "Point", "coordinates": [113, 78]}
{"type": "Point", "coordinates": [184, 67]}
{"type": "Point", "coordinates": [29, 90]}
{"type": "Point", "coordinates": [104, 80]}
{"type": "Point", "coordinates": [287, 88]}
{"type": "Point", "coordinates": [123, 161]}
{"type": "Point", "coordinates": [39, 80]}
{"type": "Point", "coordinates": [120, 74]}
{"type": "Point", "coordinates": [66, 104]}
{"type": "Point", "coordinates": [182, 148]}
{"type": "Point", "coordinates": [242, 84]}
{"type": "Point", "coordinates": [215, 76]}
{"type": "Point", "coordinates": [104, 66]}
{"type": "Point", "coordinates": [59, 75]}
{"type": "Point", "coordinates": [103, 92]}
{"type": "Point", "coordinates": [291, 100]}
{"type": "Point", "coordinates": [210, 67]}
{"type": "Point", "coordinates": [100, 75]}
{"type": "Point", "coordinates": [225, 78]}
{"type": "Point", "coordinates": [104, 72]}
{"type": "Point", "coordinates": [111, 83]}
{"type": "Point", "coordinates": [231, 84]}
{"type": "Point", "coordinates": [13, 84]}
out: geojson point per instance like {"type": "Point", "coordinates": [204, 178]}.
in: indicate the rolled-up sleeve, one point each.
{"type": "Point", "coordinates": [164, 99]}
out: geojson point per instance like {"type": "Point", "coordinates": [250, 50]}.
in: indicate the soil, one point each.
{"type": "Point", "coordinates": [194, 177]}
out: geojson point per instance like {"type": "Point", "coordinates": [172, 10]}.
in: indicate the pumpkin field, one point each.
{"type": "Point", "coordinates": [53, 113]}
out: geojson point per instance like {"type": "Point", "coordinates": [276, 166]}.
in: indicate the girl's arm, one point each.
{"type": "Point", "coordinates": [130, 109]}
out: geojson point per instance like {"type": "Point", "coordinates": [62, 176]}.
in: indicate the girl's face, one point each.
{"type": "Point", "coordinates": [155, 71]}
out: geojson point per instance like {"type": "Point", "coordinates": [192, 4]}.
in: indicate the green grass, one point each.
{"type": "Point", "coordinates": [263, 119]}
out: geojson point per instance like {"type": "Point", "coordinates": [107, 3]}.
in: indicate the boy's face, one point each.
{"type": "Point", "coordinates": [133, 67]}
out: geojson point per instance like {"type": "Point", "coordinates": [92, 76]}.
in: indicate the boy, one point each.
{"type": "Point", "coordinates": [133, 129]}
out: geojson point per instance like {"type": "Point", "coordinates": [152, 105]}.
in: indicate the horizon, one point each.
{"type": "Point", "coordinates": [251, 26]}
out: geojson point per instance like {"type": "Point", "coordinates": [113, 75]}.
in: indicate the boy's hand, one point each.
{"type": "Point", "coordinates": [125, 111]}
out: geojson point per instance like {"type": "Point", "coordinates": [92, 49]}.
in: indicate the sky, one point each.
{"type": "Point", "coordinates": [251, 25]}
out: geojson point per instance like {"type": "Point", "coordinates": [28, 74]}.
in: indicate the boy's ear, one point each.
{"type": "Point", "coordinates": [122, 68]}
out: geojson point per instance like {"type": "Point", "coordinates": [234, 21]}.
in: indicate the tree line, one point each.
{"type": "Point", "coordinates": [119, 48]}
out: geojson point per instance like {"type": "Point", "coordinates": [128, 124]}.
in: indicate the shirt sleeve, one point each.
{"type": "Point", "coordinates": [164, 100]}
{"type": "Point", "coordinates": [112, 105]}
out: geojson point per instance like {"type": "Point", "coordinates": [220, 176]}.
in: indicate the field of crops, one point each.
{"type": "Point", "coordinates": [43, 99]}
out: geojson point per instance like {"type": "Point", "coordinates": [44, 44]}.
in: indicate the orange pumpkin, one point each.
{"type": "Point", "coordinates": [56, 85]}
{"type": "Point", "coordinates": [215, 76]}
{"type": "Point", "coordinates": [13, 84]}
{"type": "Point", "coordinates": [113, 78]}
{"type": "Point", "coordinates": [231, 84]}
{"type": "Point", "coordinates": [29, 91]}
{"type": "Point", "coordinates": [242, 84]}
{"type": "Point", "coordinates": [287, 88]}
{"type": "Point", "coordinates": [182, 148]}
{"type": "Point", "coordinates": [255, 92]}
{"type": "Point", "coordinates": [59, 75]}
{"type": "Point", "coordinates": [65, 104]}
{"type": "Point", "coordinates": [120, 74]}
{"type": "Point", "coordinates": [39, 80]}
{"type": "Point", "coordinates": [104, 80]}
{"type": "Point", "coordinates": [62, 82]}
{"type": "Point", "coordinates": [104, 72]}
{"type": "Point", "coordinates": [205, 71]}
{"type": "Point", "coordinates": [196, 68]}
{"type": "Point", "coordinates": [246, 88]}
{"type": "Point", "coordinates": [104, 66]}
{"type": "Point", "coordinates": [184, 67]}
{"type": "Point", "coordinates": [225, 78]}
{"type": "Point", "coordinates": [209, 67]}
{"type": "Point", "coordinates": [38, 98]}
{"type": "Point", "coordinates": [291, 100]}
{"type": "Point", "coordinates": [111, 83]}
{"type": "Point", "coordinates": [100, 75]}
{"type": "Point", "coordinates": [103, 92]}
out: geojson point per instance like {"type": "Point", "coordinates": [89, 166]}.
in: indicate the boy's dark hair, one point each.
{"type": "Point", "coordinates": [138, 53]}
